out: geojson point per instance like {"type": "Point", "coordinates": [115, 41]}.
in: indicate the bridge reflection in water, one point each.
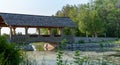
{"type": "Point", "coordinates": [51, 41]}
{"type": "Point", "coordinates": [40, 38]}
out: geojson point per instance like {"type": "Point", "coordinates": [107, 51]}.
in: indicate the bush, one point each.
{"type": "Point", "coordinates": [39, 46]}
{"type": "Point", "coordinates": [81, 41]}
{"type": "Point", "coordinates": [9, 55]}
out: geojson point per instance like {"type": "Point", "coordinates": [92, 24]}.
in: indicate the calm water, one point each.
{"type": "Point", "coordinates": [49, 57]}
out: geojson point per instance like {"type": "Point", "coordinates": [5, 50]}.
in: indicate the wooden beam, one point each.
{"type": "Point", "coordinates": [26, 30]}
{"type": "Point", "coordinates": [0, 30]}
{"type": "Point", "coordinates": [11, 33]}
{"type": "Point", "coordinates": [14, 30]}
{"type": "Point", "coordinates": [73, 32]}
{"type": "Point", "coordinates": [38, 30]}
{"type": "Point", "coordinates": [59, 31]}
{"type": "Point", "coordinates": [3, 25]}
{"type": "Point", "coordinates": [37, 26]}
{"type": "Point", "coordinates": [49, 31]}
{"type": "Point", "coordinates": [1, 19]}
{"type": "Point", "coordinates": [62, 32]}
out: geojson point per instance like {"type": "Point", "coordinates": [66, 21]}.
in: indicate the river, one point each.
{"type": "Point", "coordinates": [49, 57]}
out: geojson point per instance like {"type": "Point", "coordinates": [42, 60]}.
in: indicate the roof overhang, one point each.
{"type": "Point", "coordinates": [24, 20]}
{"type": "Point", "coordinates": [2, 22]}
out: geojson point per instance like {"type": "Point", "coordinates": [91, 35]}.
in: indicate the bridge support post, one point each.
{"type": "Point", "coordinates": [11, 33]}
{"type": "Point", "coordinates": [50, 32]}
{"type": "Point", "coordinates": [0, 30]}
{"type": "Point", "coordinates": [72, 32]}
{"type": "Point", "coordinates": [14, 30]}
{"type": "Point", "coordinates": [26, 30]}
{"type": "Point", "coordinates": [59, 31]}
{"type": "Point", "coordinates": [62, 32]}
{"type": "Point", "coordinates": [38, 31]}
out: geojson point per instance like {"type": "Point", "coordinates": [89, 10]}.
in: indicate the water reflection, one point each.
{"type": "Point", "coordinates": [49, 57]}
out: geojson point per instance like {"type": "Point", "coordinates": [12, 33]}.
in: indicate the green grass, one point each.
{"type": "Point", "coordinates": [110, 41]}
{"type": "Point", "coordinates": [39, 46]}
{"type": "Point", "coordinates": [81, 42]}
{"type": "Point", "coordinates": [117, 49]}
{"type": "Point", "coordinates": [117, 41]}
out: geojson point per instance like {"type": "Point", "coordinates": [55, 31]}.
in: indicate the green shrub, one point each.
{"type": "Point", "coordinates": [79, 60]}
{"type": "Point", "coordinates": [39, 46]}
{"type": "Point", "coordinates": [9, 55]}
{"type": "Point", "coordinates": [81, 41]}
{"type": "Point", "coordinates": [60, 57]}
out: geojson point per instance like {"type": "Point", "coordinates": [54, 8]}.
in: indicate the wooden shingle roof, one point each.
{"type": "Point", "coordinates": [36, 20]}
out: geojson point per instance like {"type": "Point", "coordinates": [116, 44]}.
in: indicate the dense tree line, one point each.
{"type": "Point", "coordinates": [96, 18]}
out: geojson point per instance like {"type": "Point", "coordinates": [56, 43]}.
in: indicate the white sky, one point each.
{"type": "Point", "coordinates": [36, 7]}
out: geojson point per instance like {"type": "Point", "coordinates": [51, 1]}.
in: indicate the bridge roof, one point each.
{"type": "Point", "coordinates": [10, 19]}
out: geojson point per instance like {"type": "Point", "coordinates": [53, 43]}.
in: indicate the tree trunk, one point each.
{"type": "Point", "coordinates": [86, 34]}
{"type": "Point", "coordinates": [93, 36]}
{"type": "Point", "coordinates": [105, 35]}
{"type": "Point", "coordinates": [96, 35]}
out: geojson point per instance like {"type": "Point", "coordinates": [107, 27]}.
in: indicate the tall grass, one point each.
{"type": "Point", "coordinates": [9, 54]}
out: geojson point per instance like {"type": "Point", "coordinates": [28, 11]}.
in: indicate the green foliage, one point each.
{"type": "Point", "coordinates": [39, 46]}
{"type": "Point", "coordinates": [102, 47]}
{"type": "Point", "coordinates": [8, 53]}
{"type": "Point", "coordinates": [95, 17]}
{"type": "Point", "coordinates": [64, 41]}
{"type": "Point", "coordinates": [81, 41]}
{"type": "Point", "coordinates": [60, 53]}
{"type": "Point", "coordinates": [44, 31]}
{"type": "Point", "coordinates": [64, 12]}
{"type": "Point", "coordinates": [59, 57]}
{"type": "Point", "coordinates": [77, 57]}
{"type": "Point", "coordinates": [55, 32]}
{"type": "Point", "coordinates": [69, 11]}
{"type": "Point", "coordinates": [79, 60]}
{"type": "Point", "coordinates": [89, 20]}
{"type": "Point", "coordinates": [2, 61]}
{"type": "Point", "coordinates": [108, 12]}
{"type": "Point", "coordinates": [67, 31]}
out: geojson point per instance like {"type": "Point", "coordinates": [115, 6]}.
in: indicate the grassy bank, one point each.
{"type": "Point", "coordinates": [39, 46]}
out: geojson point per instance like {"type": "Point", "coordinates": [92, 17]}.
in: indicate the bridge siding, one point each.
{"type": "Point", "coordinates": [30, 39]}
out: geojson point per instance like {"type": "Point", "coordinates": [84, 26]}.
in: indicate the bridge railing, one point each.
{"type": "Point", "coordinates": [35, 38]}
{"type": "Point", "coordinates": [69, 38]}
{"type": "Point", "coordinates": [40, 38]}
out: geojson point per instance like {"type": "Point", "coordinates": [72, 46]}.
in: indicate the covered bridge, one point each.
{"type": "Point", "coordinates": [14, 21]}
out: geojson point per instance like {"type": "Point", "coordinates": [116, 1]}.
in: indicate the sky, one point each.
{"type": "Point", "coordinates": [35, 7]}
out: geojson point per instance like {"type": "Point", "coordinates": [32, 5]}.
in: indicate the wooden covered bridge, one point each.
{"type": "Point", "coordinates": [14, 21]}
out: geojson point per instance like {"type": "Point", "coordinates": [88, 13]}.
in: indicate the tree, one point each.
{"type": "Point", "coordinates": [64, 12]}
{"type": "Point", "coordinates": [89, 20]}
{"type": "Point", "coordinates": [96, 17]}
{"type": "Point", "coordinates": [72, 12]}
{"type": "Point", "coordinates": [74, 16]}
{"type": "Point", "coordinates": [109, 13]}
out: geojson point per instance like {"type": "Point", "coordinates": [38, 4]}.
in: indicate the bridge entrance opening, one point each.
{"type": "Point", "coordinates": [45, 46]}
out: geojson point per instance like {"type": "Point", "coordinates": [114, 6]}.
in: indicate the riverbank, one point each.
{"type": "Point", "coordinates": [98, 47]}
